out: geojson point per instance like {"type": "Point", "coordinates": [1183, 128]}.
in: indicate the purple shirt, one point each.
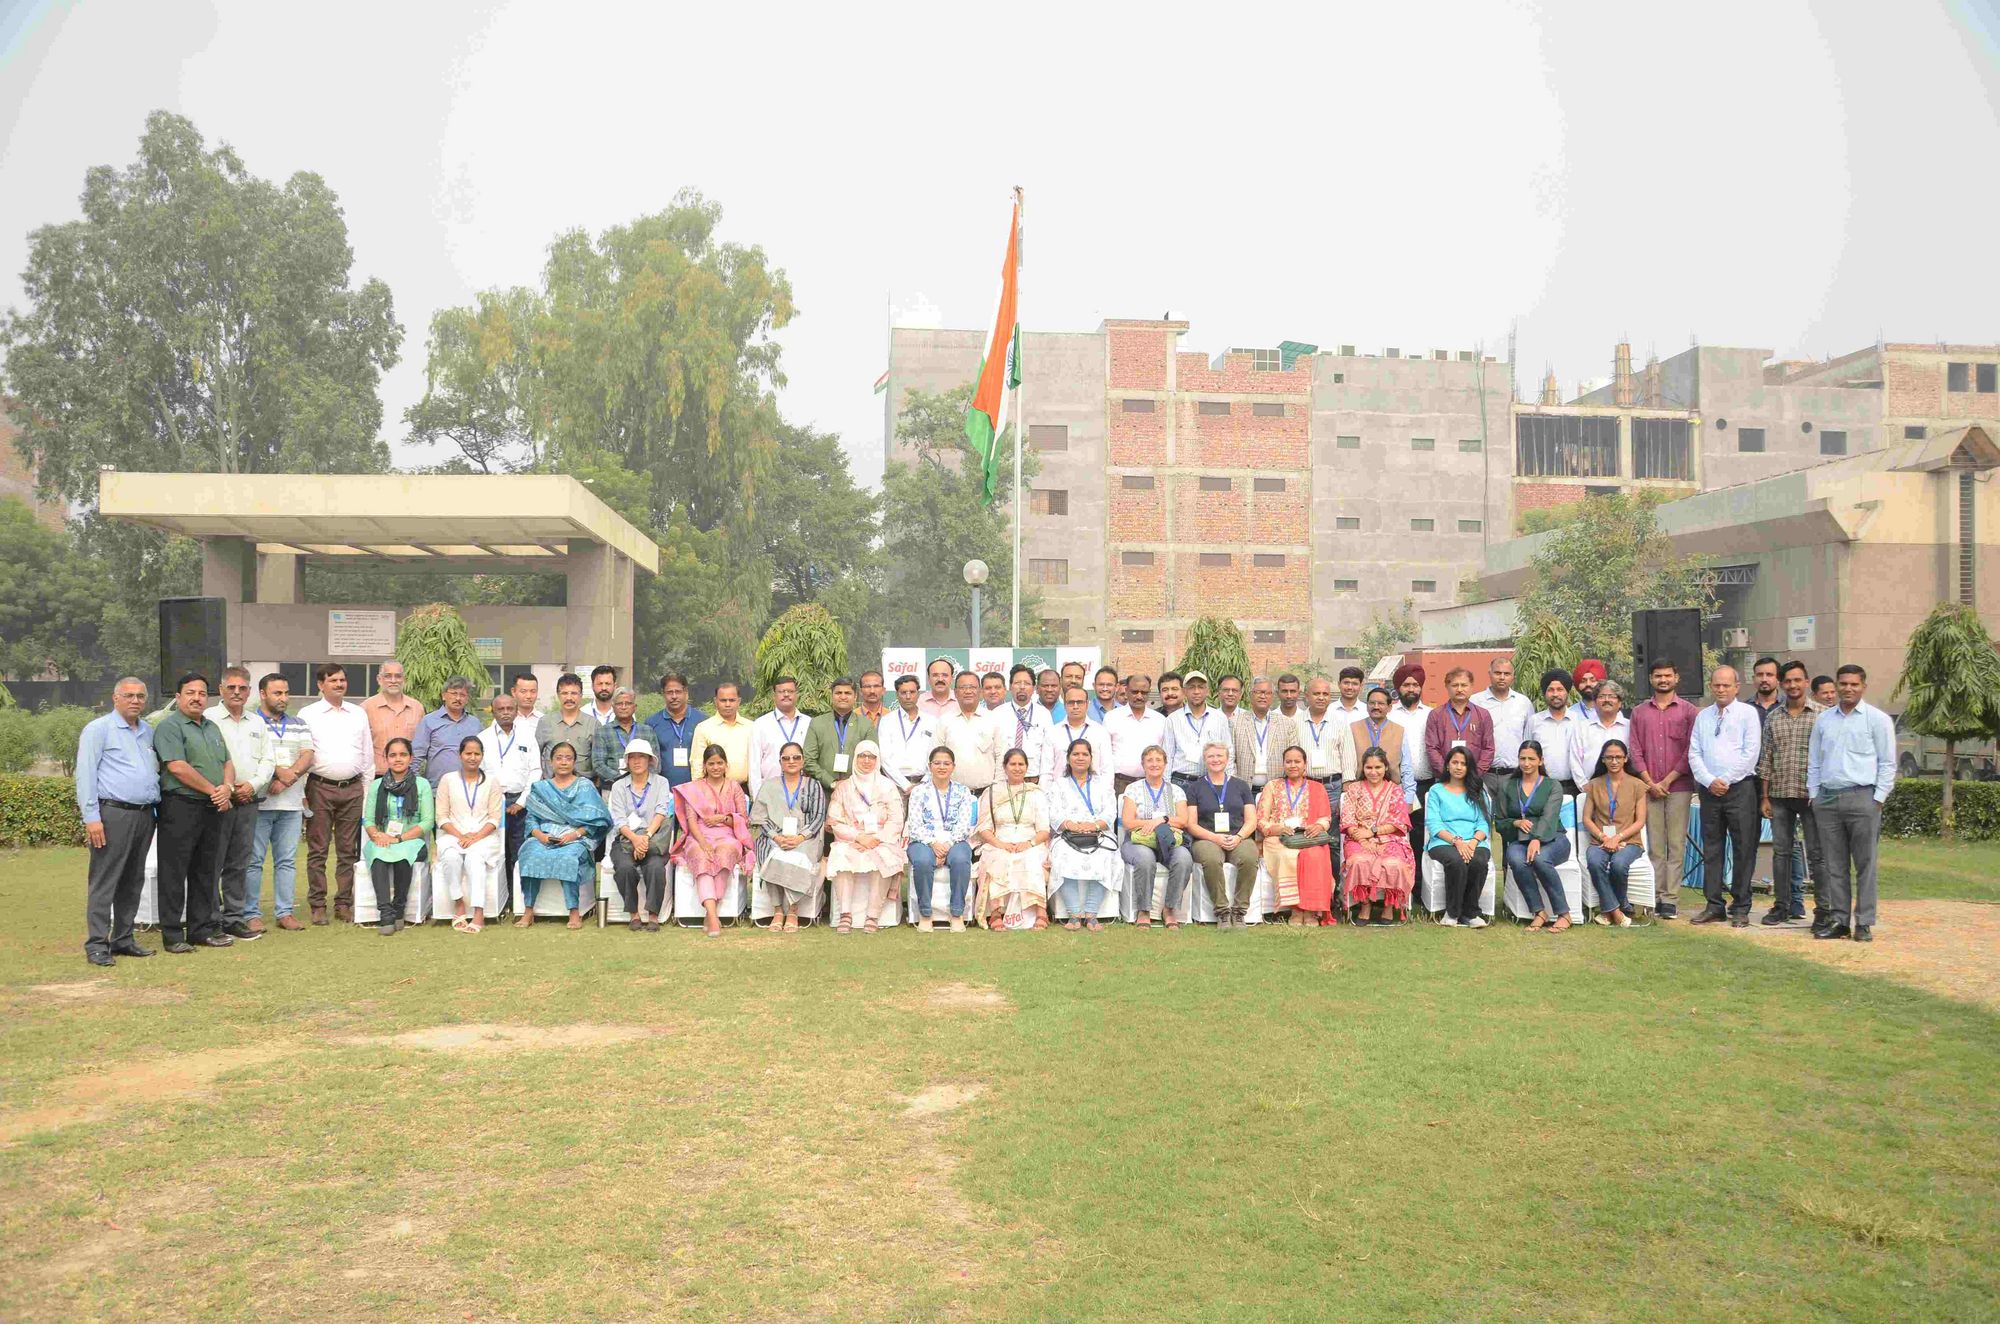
{"type": "Point", "coordinates": [1660, 741]}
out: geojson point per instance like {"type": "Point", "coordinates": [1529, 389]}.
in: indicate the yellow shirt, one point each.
{"type": "Point", "coordinates": [732, 737]}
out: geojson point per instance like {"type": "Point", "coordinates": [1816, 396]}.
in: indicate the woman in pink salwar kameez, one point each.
{"type": "Point", "coordinates": [1377, 865]}
{"type": "Point", "coordinates": [714, 818]}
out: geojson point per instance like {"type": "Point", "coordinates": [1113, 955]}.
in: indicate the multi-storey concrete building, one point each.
{"type": "Point", "coordinates": [1302, 490]}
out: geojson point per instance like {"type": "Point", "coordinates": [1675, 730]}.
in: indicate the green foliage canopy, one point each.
{"type": "Point", "coordinates": [433, 645]}
{"type": "Point", "coordinates": [806, 644]}
{"type": "Point", "coordinates": [1951, 687]}
{"type": "Point", "coordinates": [1215, 646]}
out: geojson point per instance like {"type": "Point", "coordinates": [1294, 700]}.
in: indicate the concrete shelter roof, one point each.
{"type": "Point", "coordinates": [472, 518]}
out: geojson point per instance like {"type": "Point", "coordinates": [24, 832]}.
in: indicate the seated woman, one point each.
{"type": "Point", "coordinates": [788, 823]}
{"type": "Point", "coordinates": [866, 815]}
{"type": "Point", "coordinates": [567, 822]}
{"type": "Point", "coordinates": [1302, 878]}
{"type": "Point", "coordinates": [396, 819]}
{"type": "Point", "coordinates": [471, 843]}
{"type": "Point", "coordinates": [942, 818]}
{"type": "Point", "coordinates": [1614, 813]}
{"type": "Point", "coordinates": [642, 811]}
{"type": "Point", "coordinates": [1377, 866]}
{"type": "Point", "coordinates": [1455, 814]}
{"type": "Point", "coordinates": [1014, 867]}
{"type": "Point", "coordinates": [1222, 818]}
{"type": "Point", "coordinates": [1082, 854]}
{"type": "Point", "coordinates": [1529, 820]}
{"type": "Point", "coordinates": [715, 833]}
{"type": "Point", "coordinates": [1156, 821]}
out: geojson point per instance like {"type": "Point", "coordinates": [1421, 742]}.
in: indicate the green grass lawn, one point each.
{"type": "Point", "coordinates": [1412, 1124]}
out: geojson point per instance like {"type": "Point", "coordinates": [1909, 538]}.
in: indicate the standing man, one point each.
{"type": "Point", "coordinates": [1764, 678]}
{"type": "Point", "coordinates": [249, 743]}
{"type": "Point", "coordinates": [1375, 730]}
{"type": "Point", "coordinates": [1553, 727]}
{"type": "Point", "coordinates": [1590, 673]}
{"type": "Point", "coordinates": [727, 731]}
{"type": "Point", "coordinates": [1328, 742]}
{"type": "Point", "coordinates": [603, 686]}
{"type": "Point", "coordinates": [1459, 722]}
{"type": "Point", "coordinates": [1350, 708]}
{"type": "Point", "coordinates": [434, 751]}
{"type": "Point", "coordinates": [1606, 721]}
{"type": "Point", "coordinates": [511, 757]}
{"type": "Point", "coordinates": [281, 813]}
{"type": "Point", "coordinates": [1414, 716]}
{"type": "Point", "coordinates": [568, 723]}
{"type": "Point", "coordinates": [992, 691]}
{"type": "Point", "coordinates": [1852, 771]}
{"type": "Point", "coordinates": [1510, 710]}
{"type": "Point", "coordinates": [774, 730]}
{"type": "Point", "coordinates": [527, 691]}
{"type": "Point", "coordinates": [1229, 697]}
{"type": "Point", "coordinates": [1728, 738]}
{"type": "Point", "coordinates": [832, 737]}
{"type": "Point", "coordinates": [1825, 692]}
{"type": "Point", "coordinates": [968, 732]}
{"type": "Point", "coordinates": [608, 742]}
{"type": "Point", "coordinates": [1261, 736]}
{"type": "Point", "coordinates": [117, 790]}
{"type": "Point", "coordinates": [1021, 723]}
{"type": "Point", "coordinates": [197, 791]}
{"type": "Point", "coordinates": [907, 737]}
{"type": "Point", "coordinates": [673, 729]}
{"type": "Point", "coordinates": [390, 712]}
{"type": "Point", "coordinates": [1104, 699]}
{"type": "Point", "coordinates": [1192, 729]}
{"type": "Point", "coordinates": [1048, 693]}
{"type": "Point", "coordinates": [1290, 691]}
{"type": "Point", "coordinates": [1170, 692]}
{"type": "Point", "coordinates": [1662, 732]}
{"type": "Point", "coordinates": [1781, 776]}
{"type": "Point", "coordinates": [1132, 730]}
{"type": "Point", "coordinates": [872, 692]}
{"type": "Point", "coordinates": [1076, 726]}
{"type": "Point", "coordinates": [939, 702]}
{"type": "Point", "coordinates": [343, 761]}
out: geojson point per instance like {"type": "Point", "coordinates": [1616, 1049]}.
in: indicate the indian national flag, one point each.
{"type": "Point", "coordinates": [1000, 369]}
{"type": "Point", "coordinates": [882, 382]}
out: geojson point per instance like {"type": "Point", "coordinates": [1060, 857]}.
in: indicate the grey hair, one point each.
{"type": "Point", "coordinates": [1255, 681]}
{"type": "Point", "coordinates": [457, 683]}
{"type": "Point", "coordinates": [1611, 688]}
{"type": "Point", "coordinates": [624, 689]}
{"type": "Point", "coordinates": [1215, 744]}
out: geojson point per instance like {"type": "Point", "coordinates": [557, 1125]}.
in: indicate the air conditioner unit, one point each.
{"type": "Point", "coordinates": [1737, 638]}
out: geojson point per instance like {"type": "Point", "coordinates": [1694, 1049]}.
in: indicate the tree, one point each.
{"type": "Point", "coordinates": [1384, 635]}
{"type": "Point", "coordinates": [1599, 568]}
{"type": "Point", "coordinates": [818, 529]}
{"type": "Point", "coordinates": [806, 644]}
{"type": "Point", "coordinates": [1215, 648]}
{"type": "Point", "coordinates": [51, 600]}
{"type": "Point", "coordinates": [433, 645]}
{"type": "Point", "coordinates": [1544, 645]}
{"type": "Point", "coordinates": [934, 520]}
{"type": "Point", "coordinates": [1951, 684]}
{"type": "Point", "coordinates": [196, 318]}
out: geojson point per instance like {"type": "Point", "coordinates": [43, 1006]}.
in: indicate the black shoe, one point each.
{"type": "Point", "coordinates": [99, 958]}
{"type": "Point", "coordinates": [1798, 913]}
{"type": "Point", "coordinates": [217, 940]}
{"type": "Point", "coordinates": [1834, 931]}
{"type": "Point", "coordinates": [1739, 921]}
{"type": "Point", "coordinates": [1709, 915]}
{"type": "Point", "coordinates": [387, 930]}
{"type": "Point", "coordinates": [132, 949]}
{"type": "Point", "coordinates": [244, 933]}
{"type": "Point", "coordinates": [1864, 933]}
{"type": "Point", "coordinates": [178, 948]}
{"type": "Point", "coordinates": [1774, 917]}
{"type": "Point", "coordinates": [1666, 912]}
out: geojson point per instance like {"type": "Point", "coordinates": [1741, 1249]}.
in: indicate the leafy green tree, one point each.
{"type": "Point", "coordinates": [819, 530]}
{"type": "Point", "coordinates": [1951, 687]}
{"type": "Point", "coordinates": [1215, 647]}
{"type": "Point", "coordinates": [806, 644]}
{"type": "Point", "coordinates": [1388, 634]}
{"type": "Point", "coordinates": [433, 645]}
{"type": "Point", "coordinates": [1542, 645]}
{"type": "Point", "coordinates": [58, 729]}
{"type": "Point", "coordinates": [196, 318]}
{"type": "Point", "coordinates": [1599, 568]}
{"type": "Point", "coordinates": [51, 600]}
{"type": "Point", "coordinates": [19, 739]}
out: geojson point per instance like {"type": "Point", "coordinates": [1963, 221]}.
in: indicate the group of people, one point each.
{"type": "Point", "coordinates": [1007, 793]}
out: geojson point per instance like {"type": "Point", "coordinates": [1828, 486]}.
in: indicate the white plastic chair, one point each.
{"type": "Point", "coordinates": [548, 901]}
{"type": "Point", "coordinates": [687, 899]}
{"type": "Point", "coordinates": [1432, 886]}
{"type": "Point", "coordinates": [419, 904]}
{"type": "Point", "coordinates": [764, 900]}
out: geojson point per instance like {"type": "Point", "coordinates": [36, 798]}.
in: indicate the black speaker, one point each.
{"type": "Point", "coordinates": [1671, 634]}
{"type": "Point", "coordinates": [192, 639]}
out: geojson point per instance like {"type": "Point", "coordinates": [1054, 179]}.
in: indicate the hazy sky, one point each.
{"type": "Point", "coordinates": [1799, 177]}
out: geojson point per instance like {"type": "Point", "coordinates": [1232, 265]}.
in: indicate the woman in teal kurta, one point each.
{"type": "Point", "coordinates": [567, 825]}
{"type": "Point", "coordinates": [397, 816]}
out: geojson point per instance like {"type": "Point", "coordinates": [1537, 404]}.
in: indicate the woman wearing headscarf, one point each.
{"type": "Point", "coordinates": [715, 833]}
{"type": "Point", "coordinates": [788, 822]}
{"type": "Point", "coordinates": [1014, 828]}
{"type": "Point", "coordinates": [471, 842]}
{"type": "Point", "coordinates": [1082, 855]}
{"type": "Point", "coordinates": [866, 815]}
{"type": "Point", "coordinates": [396, 819]}
{"type": "Point", "coordinates": [1377, 865]}
{"type": "Point", "coordinates": [641, 806]}
{"type": "Point", "coordinates": [1292, 805]}
{"type": "Point", "coordinates": [567, 823]}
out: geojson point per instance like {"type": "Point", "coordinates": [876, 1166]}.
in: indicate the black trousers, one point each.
{"type": "Point", "coordinates": [392, 888]}
{"type": "Point", "coordinates": [190, 858]}
{"type": "Point", "coordinates": [629, 874]}
{"type": "Point", "coordinates": [514, 830]}
{"type": "Point", "coordinates": [1417, 834]}
{"type": "Point", "coordinates": [1464, 880]}
{"type": "Point", "coordinates": [117, 877]}
{"type": "Point", "coordinates": [1730, 822]}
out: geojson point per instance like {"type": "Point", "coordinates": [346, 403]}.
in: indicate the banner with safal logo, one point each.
{"type": "Point", "coordinates": [912, 661]}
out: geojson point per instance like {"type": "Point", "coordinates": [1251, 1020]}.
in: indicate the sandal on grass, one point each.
{"type": "Point", "coordinates": [872, 926]}
{"type": "Point", "coordinates": [1071, 925]}
{"type": "Point", "coordinates": [846, 924]}
{"type": "Point", "coordinates": [791, 923]}
{"type": "Point", "coordinates": [462, 924]}
{"type": "Point", "coordinates": [1092, 924]}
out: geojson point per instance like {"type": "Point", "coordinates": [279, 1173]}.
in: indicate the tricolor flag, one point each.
{"type": "Point", "coordinates": [882, 382]}
{"type": "Point", "coordinates": [1000, 370]}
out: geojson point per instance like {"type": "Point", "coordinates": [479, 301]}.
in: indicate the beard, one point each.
{"type": "Point", "coordinates": [1411, 700]}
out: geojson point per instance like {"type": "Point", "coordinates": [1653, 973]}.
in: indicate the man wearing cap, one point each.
{"type": "Point", "coordinates": [1192, 729]}
{"type": "Point", "coordinates": [1411, 713]}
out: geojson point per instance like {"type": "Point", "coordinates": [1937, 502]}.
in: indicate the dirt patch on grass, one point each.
{"type": "Point", "coordinates": [966, 997]}
{"type": "Point", "coordinates": [1948, 947]}
{"type": "Point", "coordinates": [96, 1096]}
{"type": "Point", "coordinates": [84, 991]}
{"type": "Point", "coordinates": [934, 1099]}
{"type": "Point", "coordinates": [483, 1038]}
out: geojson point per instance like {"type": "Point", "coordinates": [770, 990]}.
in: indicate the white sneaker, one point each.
{"type": "Point", "coordinates": [1476, 922]}
{"type": "Point", "coordinates": [957, 924]}
{"type": "Point", "coordinates": [1600, 919]}
{"type": "Point", "coordinates": [1624, 920]}
{"type": "Point", "coordinates": [924, 924]}
{"type": "Point", "coordinates": [1449, 922]}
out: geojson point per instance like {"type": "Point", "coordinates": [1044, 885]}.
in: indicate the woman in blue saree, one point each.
{"type": "Point", "coordinates": [567, 824]}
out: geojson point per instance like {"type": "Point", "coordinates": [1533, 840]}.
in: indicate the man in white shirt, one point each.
{"type": "Point", "coordinates": [1510, 710]}
{"type": "Point", "coordinates": [1553, 728]}
{"type": "Point", "coordinates": [774, 730]}
{"type": "Point", "coordinates": [1607, 722]}
{"type": "Point", "coordinates": [603, 688]}
{"type": "Point", "coordinates": [1350, 707]}
{"type": "Point", "coordinates": [1261, 735]}
{"type": "Point", "coordinates": [1170, 692]}
{"type": "Point", "coordinates": [343, 763]}
{"type": "Point", "coordinates": [250, 757]}
{"type": "Point", "coordinates": [939, 701]}
{"type": "Point", "coordinates": [907, 735]}
{"type": "Point", "coordinates": [1022, 723]}
{"type": "Point", "coordinates": [1412, 714]}
{"type": "Point", "coordinates": [1328, 740]}
{"type": "Point", "coordinates": [1193, 729]}
{"type": "Point", "coordinates": [968, 732]}
{"type": "Point", "coordinates": [509, 753]}
{"type": "Point", "coordinates": [527, 692]}
{"type": "Point", "coordinates": [1229, 697]}
{"type": "Point", "coordinates": [1133, 728]}
{"type": "Point", "coordinates": [992, 691]}
{"type": "Point", "coordinates": [1290, 691]}
{"type": "Point", "coordinates": [1076, 726]}
{"type": "Point", "coordinates": [281, 813]}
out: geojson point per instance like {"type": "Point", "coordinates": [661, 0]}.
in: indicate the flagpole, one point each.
{"type": "Point", "coordinates": [1020, 419]}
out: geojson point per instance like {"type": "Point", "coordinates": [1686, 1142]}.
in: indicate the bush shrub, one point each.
{"type": "Point", "coordinates": [20, 739]}
{"type": "Point", "coordinates": [59, 729]}
{"type": "Point", "coordinates": [39, 811]}
{"type": "Point", "coordinates": [1916, 807]}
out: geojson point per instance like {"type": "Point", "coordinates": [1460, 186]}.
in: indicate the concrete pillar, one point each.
{"type": "Point", "coordinates": [600, 609]}
{"type": "Point", "coordinates": [228, 565]}
{"type": "Point", "coordinates": [280, 577]}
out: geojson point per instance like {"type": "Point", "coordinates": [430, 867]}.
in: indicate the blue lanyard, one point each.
{"type": "Point", "coordinates": [1262, 731]}
{"type": "Point", "coordinates": [1611, 793]}
{"type": "Point", "coordinates": [790, 735]}
{"type": "Point", "coordinates": [1527, 793]}
{"type": "Point", "coordinates": [1458, 724]}
{"type": "Point", "coordinates": [645, 798]}
{"type": "Point", "coordinates": [466, 787]}
{"type": "Point", "coordinates": [792, 797]}
{"type": "Point", "coordinates": [1291, 799]}
{"type": "Point", "coordinates": [507, 743]}
{"type": "Point", "coordinates": [1374, 731]}
{"type": "Point", "coordinates": [281, 723]}
{"type": "Point", "coordinates": [624, 736]}
{"type": "Point", "coordinates": [1083, 791]}
{"type": "Point", "coordinates": [1193, 725]}
{"type": "Point", "coordinates": [911, 729]}
{"type": "Point", "coordinates": [944, 803]}
{"type": "Point", "coordinates": [1318, 729]}
{"type": "Point", "coordinates": [1157, 796]}
{"type": "Point", "coordinates": [840, 730]}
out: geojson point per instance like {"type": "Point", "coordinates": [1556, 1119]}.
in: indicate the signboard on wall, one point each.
{"type": "Point", "coordinates": [912, 661]}
{"type": "Point", "coordinates": [360, 633]}
{"type": "Point", "coordinates": [488, 647]}
{"type": "Point", "coordinates": [1802, 632]}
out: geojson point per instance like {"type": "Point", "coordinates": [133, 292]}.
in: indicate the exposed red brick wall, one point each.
{"type": "Point", "coordinates": [1236, 376]}
{"type": "Point", "coordinates": [1241, 589]}
{"type": "Point", "coordinates": [1138, 516]}
{"type": "Point", "coordinates": [1209, 517]}
{"type": "Point", "coordinates": [1239, 439]}
{"type": "Point", "coordinates": [1138, 438]}
{"type": "Point", "coordinates": [1544, 496]}
{"type": "Point", "coordinates": [1914, 389]}
{"type": "Point", "coordinates": [1282, 517]}
{"type": "Point", "coordinates": [1271, 659]}
{"type": "Point", "coordinates": [1139, 357]}
{"type": "Point", "coordinates": [1137, 590]}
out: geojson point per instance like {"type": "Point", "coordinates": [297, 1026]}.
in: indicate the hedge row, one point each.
{"type": "Point", "coordinates": [41, 811]}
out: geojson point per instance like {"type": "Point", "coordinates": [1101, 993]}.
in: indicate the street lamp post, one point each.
{"type": "Point", "coordinates": [975, 575]}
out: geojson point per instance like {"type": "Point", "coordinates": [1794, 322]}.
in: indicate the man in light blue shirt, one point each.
{"type": "Point", "coordinates": [1728, 738]}
{"type": "Point", "coordinates": [1850, 770]}
{"type": "Point", "coordinates": [117, 785]}
{"type": "Point", "coordinates": [434, 749]}
{"type": "Point", "coordinates": [1193, 729]}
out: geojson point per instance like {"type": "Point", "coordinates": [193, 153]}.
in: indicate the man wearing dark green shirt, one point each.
{"type": "Point", "coordinates": [832, 737]}
{"type": "Point", "coordinates": [195, 782]}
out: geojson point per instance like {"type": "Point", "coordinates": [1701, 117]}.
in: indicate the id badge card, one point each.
{"type": "Point", "coordinates": [1222, 821]}
{"type": "Point", "coordinates": [1262, 765]}
{"type": "Point", "coordinates": [1458, 744]}
{"type": "Point", "coordinates": [840, 763]}
{"type": "Point", "coordinates": [1294, 822]}
{"type": "Point", "coordinates": [1318, 760]}
{"type": "Point", "coordinates": [393, 828]}
{"type": "Point", "coordinates": [790, 827]}
{"type": "Point", "coordinates": [681, 757]}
